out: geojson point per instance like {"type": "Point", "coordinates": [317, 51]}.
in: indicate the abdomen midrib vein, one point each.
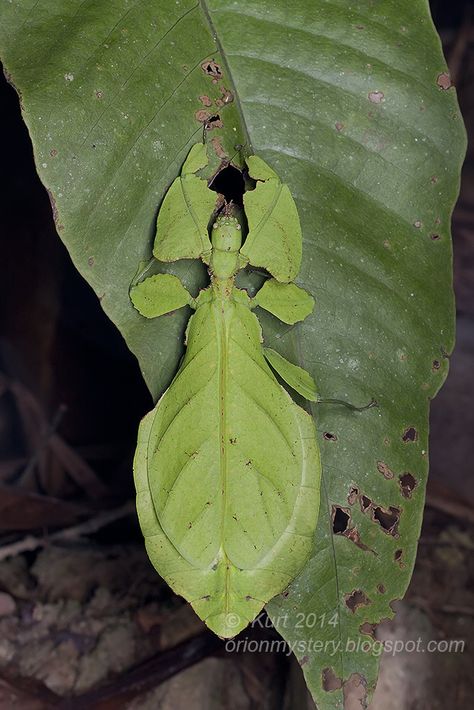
{"type": "Point", "coordinates": [223, 317]}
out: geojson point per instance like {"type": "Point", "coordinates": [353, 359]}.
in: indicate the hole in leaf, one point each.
{"type": "Point", "coordinates": [340, 520]}
{"type": "Point", "coordinates": [329, 437]}
{"type": "Point", "coordinates": [381, 588]}
{"type": "Point", "coordinates": [330, 680]}
{"type": "Point", "coordinates": [365, 503]}
{"type": "Point", "coordinates": [356, 599]}
{"type": "Point", "coordinates": [407, 484]}
{"type": "Point", "coordinates": [214, 121]}
{"type": "Point", "coordinates": [387, 519]}
{"type": "Point", "coordinates": [211, 68]}
{"type": "Point", "coordinates": [410, 434]}
{"type": "Point", "coordinates": [229, 182]}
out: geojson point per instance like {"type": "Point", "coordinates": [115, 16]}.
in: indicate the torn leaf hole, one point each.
{"type": "Point", "coordinates": [356, 599]}
{"type": "Point", "coordinates": [341, 518]}
{"type": "Point", "coordinates": [387, 519]}
{"type": "Point", "coordinates": [214, 121]}
{"type": "Point", "coordinates": [330, 680]}
{"type": "Point", "coordinates": [212, 69]}
{"type": "Point", "coordinates": [342, 525]}
{"type": "Point", "coordinates": [410, 434]}
{"type": "Point", "coordinates": [329, 437]}
{"type": "Point", "coordinates": [407, 484]}
{"type": "Point", "coordinates": [436, 365]}
{"type": "Point", "coordinates": [365, 503]}
{"type": "Point", "coordinates": [229, 182]}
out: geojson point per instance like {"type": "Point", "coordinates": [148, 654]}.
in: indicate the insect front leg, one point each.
{"type": "Point", "coordinates": [288, 302]}
{"type": "Point", "coordinates": [160, 294]}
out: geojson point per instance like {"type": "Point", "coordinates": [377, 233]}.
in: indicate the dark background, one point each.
{"type": "Point", "coordinates": [70, 398]}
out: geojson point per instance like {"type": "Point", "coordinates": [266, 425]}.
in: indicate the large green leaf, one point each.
{"type": "Point", "coordinates": [351, 104]}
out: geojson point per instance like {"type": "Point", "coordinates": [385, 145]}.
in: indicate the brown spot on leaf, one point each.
{"type": "Point", "coordinates": [381, 588]}
{"type": "Point", "coordinates": [368, 629]}
{"type": "Point", "coordinates": [418, 224]}
{"type": "Point", "coordinates": [385, 470]}
{"type": "Point", "coordinates": [435, 365]}
{"type": "Point", "coordinates": [339, 126]}
{"type": "Point", "coordinates": [226, 96]}
{"type": "Point", "coordinates": [435, 237]}
{"type": "Point", "coordinates": [285, 593]}
{"type": "Point", "coordinates": [202, 116]}
{"type": "Point", "coordinates": [356, 599]}
{"type": "Point", "coordinates": [407, 484]}
{"type": "Point", "coordinates": [329, 437]}
{"type": "Point", "coordinates": [99, 94]}
{"type": "Point", "coordinates": [209, 120]}
{"type": "Point", "coordinates": [398, 558]}
{"type": "Point", "coordinates": [352, 495]}
{"type": "Point", "coordinates": [354, 536]}
{"type": "Point", "coordinates": [90, 261]}
{"type": "Point", "coordinates": [376, 97]}
{"type": "Point", "coordinates": [330, 680]}
{"type": "Point", "coordinates": [410, 434]}
{"type": "Point", "coordinates": [342, 525]}
{"type": "Point", "coordinates": [218, 148]}
{"type": "Point", "coordinates": [304, 660]}
{"type": "Point", "coordinates": [53, 152]}
{"type": "Point", "coordinates": [205, 100]}
{"type": "Point", "coordinates": [434, 179]}
{"type": "Point", "coordinates": [444, 81]}
{"type": "Point", "coordinates": [211, 68]}
{"type": "Point", "coordinates": [355, 692]}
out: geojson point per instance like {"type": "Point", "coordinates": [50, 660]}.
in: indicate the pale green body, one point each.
{"type": "Point", "coordinates": [227, 466]}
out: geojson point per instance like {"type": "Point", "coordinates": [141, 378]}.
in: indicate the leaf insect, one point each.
{"type": "Point", "coordinates": [227, 467]}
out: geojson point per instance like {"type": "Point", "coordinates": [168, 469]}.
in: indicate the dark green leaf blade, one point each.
{"type": "Point", "coordinates": [352, 107]}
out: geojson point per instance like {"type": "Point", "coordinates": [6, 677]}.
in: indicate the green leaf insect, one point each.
{"type": "Point", "coordinates": [227, 467]}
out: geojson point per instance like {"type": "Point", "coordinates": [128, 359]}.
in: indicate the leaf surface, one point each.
{"type": "Point", "coordinates": [352, 106]}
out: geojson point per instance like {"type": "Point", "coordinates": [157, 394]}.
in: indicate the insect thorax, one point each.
{"type": "Point", "coordinates": [226, 238]}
